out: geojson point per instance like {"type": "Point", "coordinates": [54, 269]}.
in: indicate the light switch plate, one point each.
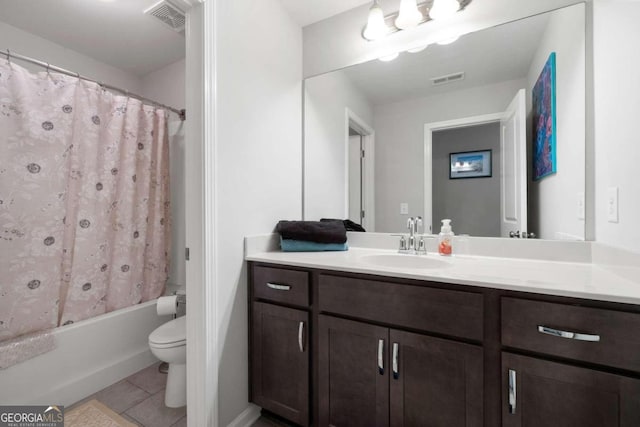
{"type": "Point", "coordinates": [612, 204]}
{"type": "Point", "coordinates": [581, 205]}
{"type": "Point", "coordinates": [404, 208]}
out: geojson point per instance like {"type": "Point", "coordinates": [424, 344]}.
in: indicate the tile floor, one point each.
{"type": "Point", "coordinates": [140, 399]}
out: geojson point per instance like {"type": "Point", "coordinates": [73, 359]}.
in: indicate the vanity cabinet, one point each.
{"type": "Point", "coordinates": [374, 376]}
{"type": "Point", "coordinates": [544, 393]}
{"type": "Point", "coordinates": [338, 349]}
{"type": "Point", "coordinates": [279, 342]}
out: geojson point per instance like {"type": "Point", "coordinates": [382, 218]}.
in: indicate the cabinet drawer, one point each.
{"type": "Point", "coordinates": [441, 311]}
{"type": "Point", "coordinates": [594, 335]}
{"type": "Point", "coordinates": [281, 285]}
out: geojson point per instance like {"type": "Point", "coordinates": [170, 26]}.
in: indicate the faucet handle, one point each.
{"type": "Point", "coordinates": [410, 223]}
{"type": "Point", "coordinates": [402, 248]}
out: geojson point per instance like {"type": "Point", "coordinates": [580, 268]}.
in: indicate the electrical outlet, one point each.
{"type": "Point", "coordinates": [612, 204]}
{"type": "Point", "coordinates": [581, 205]}
{"type": "Point", "coordinates": [404, 208]}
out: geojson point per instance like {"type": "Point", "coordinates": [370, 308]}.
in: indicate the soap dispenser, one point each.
{"type": "Point", "coordinates": [445, 238]}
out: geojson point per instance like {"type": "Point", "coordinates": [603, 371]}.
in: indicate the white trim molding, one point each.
{"type": "Point", "coordinates": [246, 417]}
{"type": "Point", "coordinates": [202, 316]}
{"type": "Point", "coordinates": [368, 142]}
{"type": "Point", "coordinates": [429, 128]}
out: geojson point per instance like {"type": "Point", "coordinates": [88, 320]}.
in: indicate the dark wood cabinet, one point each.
{"type": "Point", "coordinates": [374, 376]}
{"type": "Point", "coordinates": [280, 361]}
{"type": "Point", "coordinates": [543, 393]}
{"type": "Point", "coordinates": [342, 349]}
{"type": "Point", "coordinates": [435, 382]}
{"type": "Point", "coordinates": [353, 373]}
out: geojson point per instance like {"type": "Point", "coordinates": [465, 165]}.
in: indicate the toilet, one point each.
{"type": "Point", "coordinates": [168, 343]}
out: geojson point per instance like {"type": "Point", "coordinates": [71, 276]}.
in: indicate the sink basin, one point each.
{"type": "Point", "coordinates": [405, 261]}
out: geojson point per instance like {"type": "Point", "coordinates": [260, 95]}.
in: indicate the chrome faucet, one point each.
{"type": "Point", "coordinates": [412, 245]}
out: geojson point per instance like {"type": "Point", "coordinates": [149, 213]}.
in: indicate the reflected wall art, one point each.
{"type": "Point", "coordinates": [544, 121]}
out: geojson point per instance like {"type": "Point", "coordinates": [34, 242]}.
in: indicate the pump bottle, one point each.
{"type": "Point", "coordinates": [445, 238]}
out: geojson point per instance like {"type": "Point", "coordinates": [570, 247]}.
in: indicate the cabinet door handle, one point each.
{"type": "Point", "coordinates": [381, 357]}
{"type": "Point", "coordinates": [396, 373]}
{"type": "Point", "coordinates": [567, 334]}
{"type": "Point", "coordinates": [512, 391]}
{"type": "Point", "coordinates": [300, 335]}
{"type": "Point", "coordinates": [279, 287]}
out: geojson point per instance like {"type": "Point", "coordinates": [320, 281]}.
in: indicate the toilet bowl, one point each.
{"type": "Point", "coordinates": [168, 343]}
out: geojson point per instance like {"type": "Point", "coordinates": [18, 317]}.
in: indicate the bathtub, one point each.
{"type": "Point", "coordinates": [89, 356]}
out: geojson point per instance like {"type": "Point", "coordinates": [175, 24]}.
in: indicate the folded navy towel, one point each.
{"type": "Point", "coordinates": [313, 231]}
{"type": "Point", "coordinates": [288, 245]}
{"type": "Point", "coordinates": [348, 224]}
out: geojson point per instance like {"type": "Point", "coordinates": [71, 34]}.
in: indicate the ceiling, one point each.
{"type": "Point", "coordinates": [306, 12]}
{"type": "Point", "coordinates": [113, 32]}
{"type": "Point", "coordinates": [490, 56]}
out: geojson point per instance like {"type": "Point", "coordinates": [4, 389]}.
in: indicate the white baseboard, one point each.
{"type": "Point", "coordinates": [247, 417]}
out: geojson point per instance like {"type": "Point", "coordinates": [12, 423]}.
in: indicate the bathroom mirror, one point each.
{"type": "Point", "coordinates": [385, 141]}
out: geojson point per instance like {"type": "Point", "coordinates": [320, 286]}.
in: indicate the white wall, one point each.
{"type": "Point", "coordinates": [336, 42]}
{"type": "Point", "coordinates": [326, 98]}
{"type": "Point", "coordinates": [617, 108]}
{"type": "Point", "coordinates": [553, 203]}
{"type": "Point", "coordinates": [167, 86]}
{"type": "Point", "coordinates": [399, 169]}
{"type": "Point", "coordinates": [258, 162]}
{"type": "Point", "coordinates": [27, 44]}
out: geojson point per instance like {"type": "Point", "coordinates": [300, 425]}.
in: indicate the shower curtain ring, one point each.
{"type": "Point", "coordinates": [48, 66]}
{"type": "Point", "coordinates": [8, 57]}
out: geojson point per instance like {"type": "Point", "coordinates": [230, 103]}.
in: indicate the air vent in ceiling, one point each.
{"type": "Point", "coordinates": [449, 78]}
{"type": "Point", "coordinates": [169, 14]}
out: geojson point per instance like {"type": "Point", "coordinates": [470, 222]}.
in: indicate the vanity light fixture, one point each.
{"type": "Point", "coordinates": [376, 26]}
{"type": "Point", "coordinates": [448, 40]}
{"type": "Point", "coordinates": [388, 58]}
{"type": "Point", "coordinates": [443, 9]}
{"type": "Point", "coordinates": [418, 49]}
{"type": "Point", "coordinates": [410, 15]}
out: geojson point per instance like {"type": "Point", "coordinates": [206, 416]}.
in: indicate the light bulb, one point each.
{"type": "Point", "coordinates": [388, 58]}
{"type": "Point", "coordinates": [376, 27]}
{"type": "Point", "coordinates": [443, 9]}
{"type": "Point", "coordinates": [409, 16]}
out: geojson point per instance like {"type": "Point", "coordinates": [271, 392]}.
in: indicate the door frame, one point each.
{"type": "Point", "coordinates": [200, 194]}
{"type": "Point", "coordinates": [429, 128]}
{"type": "Point", "coordinates": [352, 120]}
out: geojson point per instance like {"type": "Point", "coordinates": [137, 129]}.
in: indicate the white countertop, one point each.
{"type": "Point", "coordinates": [615, 283]}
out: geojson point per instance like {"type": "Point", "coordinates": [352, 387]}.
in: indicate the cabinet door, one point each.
{"type": "Point", "coordinates": [280, 361]}
{"type": "Point", "coordinates": [353, 374]}
{"type": "Point", "coordinates": [435, 382]}
{"type": "Point", "coordinates": [541, 393]}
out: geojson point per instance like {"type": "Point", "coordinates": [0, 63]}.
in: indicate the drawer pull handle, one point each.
{"type": "Point", "coordinates": [396, 373]}
{"type": "Point", "coordinates": [567, 334]}
{"type": "Point", "coordinates": [512, 391]}
{"type": "Point", "coordinates": [279, 287]}
{"type": "Point", "coordinates": [381, 357]}
{"type": "Point", "coordinates": [300, 335]}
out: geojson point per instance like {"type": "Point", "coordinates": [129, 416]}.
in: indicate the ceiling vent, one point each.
{"type": "Point", "coordinates": [449, 78]}
{"type": "Point", "coordinates": [169, 14]}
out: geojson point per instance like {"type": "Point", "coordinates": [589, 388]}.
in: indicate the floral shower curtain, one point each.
{"type": "Point", "coordinates": [84, 201]}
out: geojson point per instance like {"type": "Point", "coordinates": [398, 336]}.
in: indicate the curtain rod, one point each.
{"type": "Point", "coordinates": [9, 55]}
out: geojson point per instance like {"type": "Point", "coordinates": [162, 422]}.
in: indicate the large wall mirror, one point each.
{"type": "Point", "coordinates": [488, 131]}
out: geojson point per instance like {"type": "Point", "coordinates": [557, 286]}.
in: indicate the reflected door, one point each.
{"type": "Point", "coordinates": [513, 144]}
{"type": "Point", "coordinates": [355, 178]}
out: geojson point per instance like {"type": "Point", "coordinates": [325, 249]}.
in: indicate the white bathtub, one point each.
{"type": "Point", "coordinates": [89, 356]}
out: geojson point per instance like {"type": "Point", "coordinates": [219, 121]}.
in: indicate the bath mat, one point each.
{"type": "Point", "coordinates": [94, 414]}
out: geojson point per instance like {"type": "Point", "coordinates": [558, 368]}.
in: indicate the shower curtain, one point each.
{"type": "Point", "coordinates": [84, 201]}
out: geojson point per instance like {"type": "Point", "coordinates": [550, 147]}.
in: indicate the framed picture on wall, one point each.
{"type": "Point", "coordinates": [544, 121]}
{"type": "Point", "coordinates": [470, 164]}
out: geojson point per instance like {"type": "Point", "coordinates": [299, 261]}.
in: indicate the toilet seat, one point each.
{"type": "Point", "coordinates": [171, 334]}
